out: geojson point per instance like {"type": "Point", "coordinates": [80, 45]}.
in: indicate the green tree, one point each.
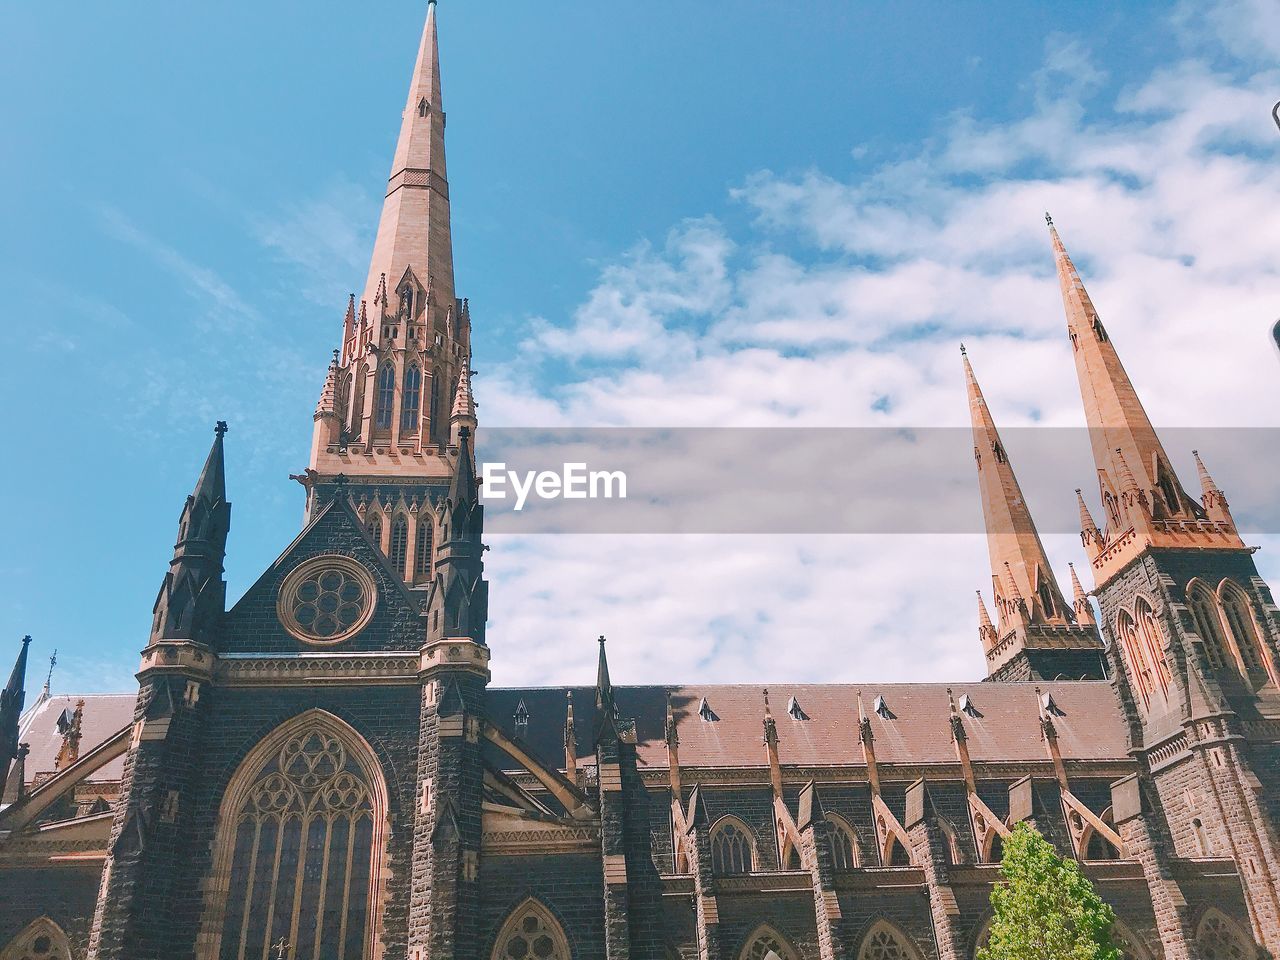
{"type": "Point", "coordinates": [1045, 908]}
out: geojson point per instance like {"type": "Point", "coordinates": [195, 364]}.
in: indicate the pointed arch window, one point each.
{"type": "Point", "coordinates": [301, 846]}
{"type": "Point", "coordinates": [42, 939]}
{"type": "Point", "coordinates": [1095, 845]}
{"type": "Point", "coordinates": [766, 943]}
{"type": "Point", "coordinates": [1047, 605]}
{"type": "Point", "coordinates": [1129, 945]}
{"type": "Point", "coordinates": [733, 850]}
{"type": "Point", "coordinates": [424, 546]}
{"type": "Point", "coordinates": [1221, 938]}
{"type": "Point", "coordinates": [435, 402]}
{"type": "Point", "coordinates": [412, 399]}
{"type": "Point", "coordinates": [1135, 656]}
{"type": "Point", "coordinates": [844, 847]}
{"type": "Point", "coordinates": [531, 933]}
{"type": "Point", "coordinates": [884, 941]}
{"type": "Point", "coordinates": [386, 397]}
{"type": "Point", "coordinates": [374, 525]}
{"type": "Point", "coordinates": [1153, 640]}
{"type": "Point", "coordinates": [1204, 611]}
{"type": "Point", "coordinates": [356, 412]}
{"type": "Point", "coordinates": [423, 107]}
{"type": "Point", "coordinates": [399, 547]}
{"type": "Point", "coordinates": [1239, 616]}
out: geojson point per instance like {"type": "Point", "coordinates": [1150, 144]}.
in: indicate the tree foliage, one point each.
{"type": "Point", "coordinates": [1045, 908]}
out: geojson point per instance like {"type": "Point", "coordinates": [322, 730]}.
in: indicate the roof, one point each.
{"type": "Point", "coordinates": [1089, 722]}
{"type": "Point", "coordinates": [104, 714]}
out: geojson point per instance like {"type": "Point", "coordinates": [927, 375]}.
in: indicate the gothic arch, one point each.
{"type": "Point", "coordinates": [385, 396]}
{"type": "Point", "coordinates": [398, 544]}
{"type": "Point", "coordinates": [766, 943]}
{"type": "Point", "coordinates": [1093, 845]}
{"type": "Point", "coordinates": [886, 941]}
{"type": "Point", "coordinates": [1203, 603]}
{"type": "Point", "coordinates": [1242, 632]}
{"type": "Point", "coordinates": [1153, 639]}
{"type": "Point", "coordinates": [1218, 937]}
{"type": "Point", "coordinates": [844, 842]}
{"type": "Point", "coordinates": [531, 932]}
{"type": "Point", "coordinates": [1131, 946]}
{"type": "Point", "coordinates": [41, 939]}
{"type": "Point", "coordinates": [733, 846]}
{"type": "Point", "coordinates": [311, 787]}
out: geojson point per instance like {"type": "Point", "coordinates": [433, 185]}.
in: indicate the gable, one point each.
{"type": "Point", "coordinates": [391, 622]}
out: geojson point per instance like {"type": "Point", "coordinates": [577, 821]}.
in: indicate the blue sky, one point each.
{"type": "Point", "coordinates": [664, 213]}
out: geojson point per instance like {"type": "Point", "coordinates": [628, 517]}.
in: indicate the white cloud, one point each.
{"type": "Point", "coordinates": [844, 306]}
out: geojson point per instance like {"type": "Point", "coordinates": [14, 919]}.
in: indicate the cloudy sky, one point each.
{"type": "Point", "coordinates": [665, 215]}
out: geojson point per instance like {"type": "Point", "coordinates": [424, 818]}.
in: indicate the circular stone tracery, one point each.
{"type": "Point", "coordinates": [326, 600]}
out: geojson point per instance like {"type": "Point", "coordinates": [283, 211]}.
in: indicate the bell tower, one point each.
{"type": "Point", "coordinates": [1193, 630]}
{"type": "Point", "coordinates": [385, 418]}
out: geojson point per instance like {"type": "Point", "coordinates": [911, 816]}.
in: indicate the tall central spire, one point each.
{"type": "Point", "coordinates": [1119, 429]}
{"type": "Point", "coordinates": [413, 231]}
{"type": "Point", "coordinates": [385, 408]}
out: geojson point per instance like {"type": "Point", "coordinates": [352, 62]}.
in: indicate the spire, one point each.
{"type": "Point", "coordinates": [1118, 425]}
{"type": "Point", "coordinates": [986, 629]}
{"type": "Point", "coordinates": [193, 594]}
{"type": "Point", "coordinates": [1211, 495]}
{"type": "Point", "coordinates": [604, 686]}
{"type": "Point", "coordinates": [413, 231]}
{"type": "Point", "coordinates": [570, 739]}
{"type": "Point", "coordinates": [464, 405]}
{"type": "Point", "coordinates": [1019, 566]}
{"type": "Point", "coordinates": [1090, 535]}
{"type": "Point", "coordinates": [1080, 599]}
{"type": "Point", "coordinates": [462, 487]}
{"type": "Point", "coordinates": [12, 698]}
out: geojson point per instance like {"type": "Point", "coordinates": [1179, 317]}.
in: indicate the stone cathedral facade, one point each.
{"type": "Point", "coordinates": [323, 770]}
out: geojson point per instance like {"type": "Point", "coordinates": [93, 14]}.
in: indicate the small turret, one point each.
{"type": "Point", "coordinates": [1214, 500]}
{"type": "Point", "coordinates": [464, 406]}
{"type": "Point", "coordinates": [12, 699]}
{"type": "Point", "coordinates": [192, 597]}
{"type": "Point", "coordinates": [1084, 610]}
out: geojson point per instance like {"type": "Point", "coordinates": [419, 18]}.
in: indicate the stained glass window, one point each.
{"type": "Point", "coordinates": [731, 848]}
{"type": "Point", "coordinates": [412, 398]}
{"type": "Point", "coordinates": [386, 397]}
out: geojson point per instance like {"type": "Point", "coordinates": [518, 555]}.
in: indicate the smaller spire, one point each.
{"type": "Point", "coordinates": [1084, 610]}
{"type": "Point", "coordinates": [670, 733]}
{"type": "Point", "coordinates": [463, 484]}
{"type": "Point", "coordinates": [1015, 595]}
{"type": "Point", "coordinates": [986, 629]}
{"type": "Point", "coordinates": [464, 406]}
{"type": "Point", "coordinates": [570, 739]}
{"type": "Point", "coordinates": [770, 725]}
{"type": "Point", "coordinates": [212, 484]}
{"type": "Point", "coordinates": [1090, 536]}
{"type": "Point", "coordinates": [604, 686]}
{"type": "Point", "coordinates": [69, 726]}
{"type": "Point", "coordinates": [12, 699]}
{"type": "Point", "coordinates": [1214, 500]}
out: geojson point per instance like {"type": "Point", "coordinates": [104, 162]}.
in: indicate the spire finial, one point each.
{"type": "Point", "coordinates": [963, 352]}
{"type": "Point", "coordinates": [220, 428]}
{"type": "Point", "coordinates": [1048, 219]}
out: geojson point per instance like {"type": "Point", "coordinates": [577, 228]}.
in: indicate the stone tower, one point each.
{"type": "Point", "coordinates": [1193, 631]}
{"type": "Point", "coordinates": [1037, 635]}
{"type": "Point", "coordinates": [386, 419]}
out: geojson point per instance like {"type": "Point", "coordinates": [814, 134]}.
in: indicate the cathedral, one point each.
{"type": "Point", "coordinates": [323, 770]}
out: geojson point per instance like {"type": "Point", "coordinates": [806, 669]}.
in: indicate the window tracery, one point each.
{"type": "Point", "coordinates": [767, 944]}
{"type": "Point", "coordinates": [399, 548]}
{"type": "Point", "coordinates": [424, 546]}
{"type": "Point", "coordinates": [1239, 617]}
{"type": "Point", "coordinates": [844, 848]}
{"type": "Point", "coordinates": [884, 941]}
{"type": "Point", "coordinates": [1220, 938]}
{"type": "Point", "coordinates": [301, 846]}
{"type": "Point", "coordinates": [412, 398]}
{"type": "Point", "coordinates": [732, 848]}
{"type": "Point", "coordinates": [531, 933]}
{"type": "Point", "coordinates": [42, 939]}
{"type": "Point", "coordinates": [386, 397]}
{"type": "Point", "coordinates": [1204, 611]}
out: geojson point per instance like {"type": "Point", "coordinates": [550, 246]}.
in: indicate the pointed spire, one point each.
{"type": "Point", "coordinates": [462, 486]}
{"type": "Point", "coordinates": [414, 231]}
{"type": "Point", "coordinates": [1090, 535]}
{"type": "Point", "coordinates": [1211, 495]}
{"type": "Point", "coordinates": [1084, 609]}
{"type": "Point", "coordinates": [193, 594]}
{"type": "Point", "coordinates": [12, 699]}
{"type": "Point", "coordinates": [1118, 424]}
{"type": "Point", "coordinates": [604, 686]}
{"type": "Point", "coordinates": [464, 405]}
{"type": "Point", "coordinates": [212, 484]}
{"type": "Point", "coordinates": [986, 629]}
{"type": "Point", "coordinates": [1018, 557]}
{"type": "Point", "coordinates": [570, 739]}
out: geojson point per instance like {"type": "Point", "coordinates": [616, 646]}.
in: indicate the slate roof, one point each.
{"type": "Point", "coordinates": [1090, 724]}
{"type": "Point", "coordinates": [104, 715]}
